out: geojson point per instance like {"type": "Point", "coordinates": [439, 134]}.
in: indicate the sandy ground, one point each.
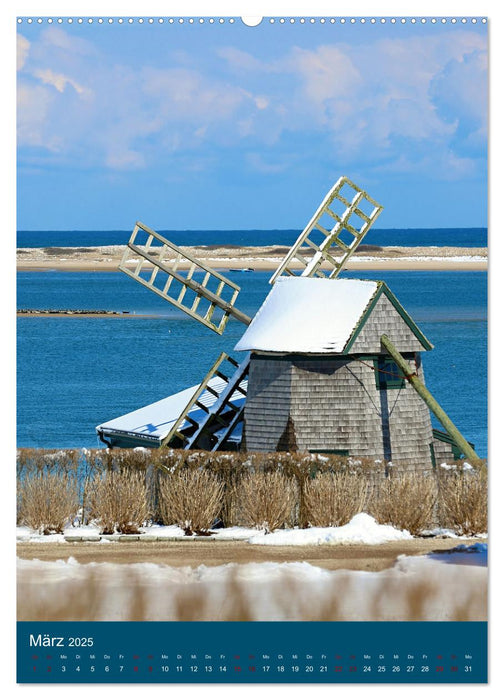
{"type": "Point", "coordinates": [214, 553]}
{"type": "Point", "coordinates": [107, 258]}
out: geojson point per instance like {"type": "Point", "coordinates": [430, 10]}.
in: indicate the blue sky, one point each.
{"type": "Point", "coordinates": [190, 126]}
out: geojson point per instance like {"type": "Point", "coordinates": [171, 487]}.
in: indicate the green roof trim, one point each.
{"type": "Point", "coordinates": [383, 289]}
{"type": "Point", "coordinates": [444, 437]}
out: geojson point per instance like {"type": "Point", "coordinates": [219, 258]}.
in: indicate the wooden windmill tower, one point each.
{"type": "Point", "coordinates": [331, 365]}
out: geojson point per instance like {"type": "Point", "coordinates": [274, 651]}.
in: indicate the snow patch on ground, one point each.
{"type": "Point", "coordinates": [465, 467]}
{"type": "Point", "coordinates": [422, 258]}
{"type": "Point", "coordinates": [362, 529]}
{"type": "Point", "coordinates": [163, 531]}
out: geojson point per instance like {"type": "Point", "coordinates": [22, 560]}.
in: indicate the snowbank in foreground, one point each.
{"type": "Point", "coordinates": [415, 588]}
{"type": "Point", "coordinates": [362, 529]}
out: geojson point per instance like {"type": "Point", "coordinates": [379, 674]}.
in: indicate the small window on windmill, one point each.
{"type": "Point", "coordinates": [387, 374]}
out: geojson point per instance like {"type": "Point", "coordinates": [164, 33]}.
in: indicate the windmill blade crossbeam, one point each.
{"type": "Point", "coordinates": [219, 413]}
{"type": "Point", "coordinates": [170, 272]}
{"type": "Point", "coordinates": [343, 231]}
{"type": "Point", "coordinates": [226, 413]}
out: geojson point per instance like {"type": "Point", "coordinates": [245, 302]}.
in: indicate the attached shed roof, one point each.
{"type": "Point", "coordinates": [317, 316]}
{"type": "Point", "coordinates": [153, 422]}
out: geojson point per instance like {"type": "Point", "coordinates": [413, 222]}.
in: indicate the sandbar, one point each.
{"type": "Point", "coordinates": [256, 258]}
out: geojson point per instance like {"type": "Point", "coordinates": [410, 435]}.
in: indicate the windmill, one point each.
{"type": "Point", "coordinates": [209, 415]}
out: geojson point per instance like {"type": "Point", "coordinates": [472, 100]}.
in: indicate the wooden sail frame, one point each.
{"type": "Point", "coordinates": [344, 235]}
{"type": "Point", "coordinates": [164, 268]}
{"type": "Point", "coordinates": [226, 413]}
{"type": "Point", "coordinates": [223, 413]}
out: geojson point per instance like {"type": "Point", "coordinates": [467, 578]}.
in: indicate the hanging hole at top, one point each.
{"type": "Point", "coordinates": [251, 21]}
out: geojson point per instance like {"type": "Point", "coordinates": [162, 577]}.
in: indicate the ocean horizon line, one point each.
{"type": "Point", "coordinates": [247, 230]}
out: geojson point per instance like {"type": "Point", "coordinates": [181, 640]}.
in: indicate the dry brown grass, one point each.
{"type": "Point", "coordinates": [405, 501]}
{"type": "Point", "coordinates": [265, 500]}
{"type": "Point", "coordinates": [463, 501]}
{"type": "Point", "coordinates": [118, 501]}
{"type": "Point", "coordinates": [332, 500]}
{"type": "Point", "coordinates": [47, 502]}
{"type": "Point", "coordinates": [190, 498]}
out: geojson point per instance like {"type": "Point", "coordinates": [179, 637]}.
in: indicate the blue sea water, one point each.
{"type": "Point", "coordinates": [460, 237]}
{"type": "Point", "coordinates": [75, 373]}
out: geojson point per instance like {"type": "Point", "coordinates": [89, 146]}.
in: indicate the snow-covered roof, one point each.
{"type": "Point", "coordinates": [156, 420]}
{"type": "Point", "coordinates": [309, 315]}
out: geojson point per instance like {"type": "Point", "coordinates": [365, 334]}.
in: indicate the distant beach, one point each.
{"type": "Point", "coordinates": [107, 258]}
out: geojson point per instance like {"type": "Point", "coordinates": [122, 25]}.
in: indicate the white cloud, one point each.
{"type": "Point", "coordinates": [184, 94]}
{"type": "Point", "coordinates": [240, 61]}
{"type": "Point", "coordinates": [386, 101]}
{"type": "Point", "coordinates": [462, 88]}
{"type": "Point", "coordinates": [120, 158]}
{"type": "Point", "coordinates": [261, 102]}
{"type": "Point", "coordinates": [327, 73]}
{"type": "Point", "coordinates": [58, 80]}
{"type": "Point", "coordinates": [22, 49]}
{"type": "Point", "coordinates": [56, 38]}
{"type": "Point", "coordinates": [33, 104]}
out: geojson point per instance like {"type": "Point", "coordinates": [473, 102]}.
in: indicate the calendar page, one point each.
{"type": "Point", "coordinates": [252, 349]}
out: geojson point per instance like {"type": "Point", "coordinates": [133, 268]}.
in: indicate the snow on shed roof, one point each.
{"type": "Point", "coordinates": [312, 315]}
{"type": "Point", "coordinates": [156, 420]}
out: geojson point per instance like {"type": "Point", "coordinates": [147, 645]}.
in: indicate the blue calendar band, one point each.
{"type": "Point", "coordinates": [252, 652]}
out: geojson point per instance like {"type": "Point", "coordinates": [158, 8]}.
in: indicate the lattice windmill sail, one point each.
{"type": "Point", "coordinates": [171, 273]}
{"type": "Point", "coordinates": [329, 233]}
{"type": "Point", "coordinates": [213, 412]}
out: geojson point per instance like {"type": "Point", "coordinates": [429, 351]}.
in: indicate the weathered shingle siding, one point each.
{"type": "Point", "coordinates": [342, 409]}
{"type": "Point", "coordinates": [334, 404]}
{"type": "Point", "coordinates": [410, 426]}
{"type": "Point", "coordinates": [384, 319]}
{"type": "Point", "coordinates": [443, 452]}
{"type": "Point", "coordinates": [268, 403]}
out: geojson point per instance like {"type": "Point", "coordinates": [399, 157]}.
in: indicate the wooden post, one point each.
{"type": "Point", "coordinates": [431, 402]}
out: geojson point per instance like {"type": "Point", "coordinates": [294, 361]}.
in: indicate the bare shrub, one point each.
{"type": "Point", "coordinates": [333, 499]}
{"type": "Point", "coordinates": [137, 459]}
{"type": "Point", "coordinates": [305, 467]}
{"type": "Point", "coordinates": [94, 461]}
{"type": "Point", "coordinates": [265, 500]}
{"type": "Point", "coordinates": [118, 500]}
{"type": "Point", "coordinates": [190, 498]}
{"type": "Point", "coordinates": [31, 460]}
{"type": "Point", "coordinates": [47, 502]}
{"type": "Point", "coordinates": [405, 501]}
{"type": "Point", "coordinates": [463, 501]}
